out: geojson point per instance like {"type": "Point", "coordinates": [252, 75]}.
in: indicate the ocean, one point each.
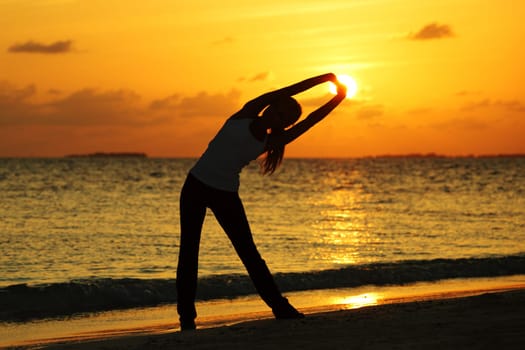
{"type": "Point", "coordinates": [85, 234]}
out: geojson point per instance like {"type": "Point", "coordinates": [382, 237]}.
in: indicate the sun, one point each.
{"type": "Point", "coordinates": [349, 82]}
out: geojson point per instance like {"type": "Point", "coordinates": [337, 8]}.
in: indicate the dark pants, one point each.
{"type": "Point", "coordinates": [229, 211]}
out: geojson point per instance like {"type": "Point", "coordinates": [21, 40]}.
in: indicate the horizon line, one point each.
{"type": "Point", "coordinates": [395, 155]}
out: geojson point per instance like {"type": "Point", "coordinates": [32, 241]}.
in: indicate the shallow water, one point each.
{"type": "Point", "coordinates": [77, 218]}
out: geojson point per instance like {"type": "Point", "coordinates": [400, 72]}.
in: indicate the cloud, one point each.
{"type": "Point", "coordinates": [513, 106]}
{"type": "Point", "coordinates": [433, 31]}
{"type": "Point", "coordinates": [420, 111]}
{"type": "Point", "coordinates": [169, 102]}
{"type": "Point", "coordinates": [485, 114]}
{"type": "Point", "coordinates": [467, 93]}
{"type": "Point", "coordinates": [57, 47]}
{"type": "Point", "coordinates": [83, 107]}
{"type": "Point", "coordinates": [263, 76]}
{"type": "Point", "coordinates": [202, 104]}
{"type": "Point", "coordinates": [472, 106]}
{"type": "Point", "coordinates": [92, 107]}
{"type": "Point", "coordinates": [228, 40]}
{"type": "Point", "coordinates": [370, 112]}
{"type": "Point", "coordinates": [465, 123]}
{"type": "Point", "coordinates": [10, 93]}
{"type": "Point", "coordinates": [54, 91]}
{"type": "Point", "coordinates": [260, 77]}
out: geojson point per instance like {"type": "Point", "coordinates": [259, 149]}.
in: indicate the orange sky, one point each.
{"type": "Point", "coordinates": [160, 76]}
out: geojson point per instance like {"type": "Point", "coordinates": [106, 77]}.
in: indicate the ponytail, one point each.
{"type": "Point", "coordinates": [291, 110]}
{"type": "Point", "coordinates": [272, 160]}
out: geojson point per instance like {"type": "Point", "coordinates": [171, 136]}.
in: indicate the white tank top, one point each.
{"type": "Point", "coordinates": [228, 152]}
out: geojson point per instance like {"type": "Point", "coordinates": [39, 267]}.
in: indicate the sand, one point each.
{"type": "Point", "coordinates": [493, 320]}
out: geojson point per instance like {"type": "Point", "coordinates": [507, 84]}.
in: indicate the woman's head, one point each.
{"type": "Point", "coordinates": [282, 113]}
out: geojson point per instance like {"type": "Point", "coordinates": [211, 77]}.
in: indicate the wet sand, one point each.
{"type": "Point", "coordinates": [488, 321]}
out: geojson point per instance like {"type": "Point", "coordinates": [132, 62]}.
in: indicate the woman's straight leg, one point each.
{"type": "Point", "coordinates": [192, 213]}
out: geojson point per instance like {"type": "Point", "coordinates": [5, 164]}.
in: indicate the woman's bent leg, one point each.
{"type": "Point", "coordinates": [192, 213]}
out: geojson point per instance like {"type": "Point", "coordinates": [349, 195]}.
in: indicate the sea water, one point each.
{"type": "Point", "coordinates": [72, 220]}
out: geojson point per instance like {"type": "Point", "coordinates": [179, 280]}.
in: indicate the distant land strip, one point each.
{"type": "Point", "coordinates": [109, 154]}
{"type": "Point", "coordinates": [380, 156]}
{"type": "Point", "coordinates": [435, 155]}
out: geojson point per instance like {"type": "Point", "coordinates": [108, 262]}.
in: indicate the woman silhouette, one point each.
{"type": "Point", "coordinates": [213, 183]}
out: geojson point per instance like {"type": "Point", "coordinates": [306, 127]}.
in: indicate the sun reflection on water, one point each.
{"type": "Point", "coordinates": [345, 231]}
{"type": "Point", "coordinates": [357, 301]}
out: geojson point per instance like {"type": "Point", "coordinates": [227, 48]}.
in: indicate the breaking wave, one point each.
{"type": "Point", "coordinates": [23, 302]}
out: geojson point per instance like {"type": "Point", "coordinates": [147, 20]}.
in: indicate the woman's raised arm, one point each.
{"type": "Point", "coordinates": [259, 103]}
{"type": "Point", "coordinates": [313, 118]}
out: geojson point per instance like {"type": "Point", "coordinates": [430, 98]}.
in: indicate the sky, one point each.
{"type": "Point", "coordinates": [161, 76]}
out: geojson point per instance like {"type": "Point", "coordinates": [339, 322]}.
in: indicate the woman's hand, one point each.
{"type": "Point", "coordinates": [341, 88]}
{"type": "Point", "coordinates": [331, 77]}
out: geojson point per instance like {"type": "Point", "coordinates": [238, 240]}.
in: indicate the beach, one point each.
{"type": "Point", "coordinates": [487, 321]}
{"type": "Point", "coordinates": [458, 314]}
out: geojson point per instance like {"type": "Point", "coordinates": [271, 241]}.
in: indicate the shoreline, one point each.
{"type": "Point", "coordinates": [26, 302]}
{"type": "Point", "coordinates": [491, 320]}
{"type": "Point", "coordinates": [218, 317]}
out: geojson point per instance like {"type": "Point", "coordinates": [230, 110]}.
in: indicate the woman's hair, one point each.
{"type": "Point", "coordinates": [272, 159]}
{"type": "Point", "coordinates": [289, 111]}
